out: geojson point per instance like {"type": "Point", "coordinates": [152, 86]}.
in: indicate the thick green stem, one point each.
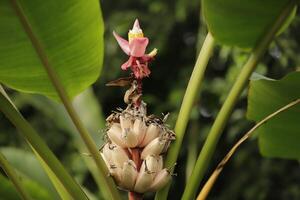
{"type": "Point", "coordinates": [192, 92]}
{"type": "Point", "coordinates": [192, 150]}
{"type": "Point", "coordinates": [223, 116]}
{"type": "Point", "coordinates": [11, 173]}
{"type": "Point", "coordinates": [39, 146]}
{"type": "Point", "coordinates": [91, 146]}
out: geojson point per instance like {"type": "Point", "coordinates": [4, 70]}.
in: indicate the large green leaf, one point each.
{"type": "Point", "coordinates": [71, 34]}
{"type": "Point", "coordinates": [279, 137]}
{"type": "Point", "coordinates": [241, 22]}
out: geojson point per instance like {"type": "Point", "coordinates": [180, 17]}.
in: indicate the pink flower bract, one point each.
{"type": "Point", "coordinates": [135, 48]}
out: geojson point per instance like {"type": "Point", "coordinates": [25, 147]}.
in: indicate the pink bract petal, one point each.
{"type": "Point", "coordinates": [138, 46]}
{"type": "Point", "coordinates": [124, 44]}
{"type": "Point", "coordinates": [128, 63]}
{"type": "Point", "coordinates": [136, 24]}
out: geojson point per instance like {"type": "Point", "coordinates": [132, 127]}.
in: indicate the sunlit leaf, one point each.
{"type": "Point", "coordinates": [71, 34]}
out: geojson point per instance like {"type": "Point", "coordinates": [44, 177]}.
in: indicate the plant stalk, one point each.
{"type": "Point", "coordinates": [11, 173]}
{"type": "Point", "coordinates": [192, 151]}
{"type": "Point", "coordinates": [60, 188]}
{"type": "Point", "coordinates": [224, 114]}
{"type": "Point", "coordinates": [91, 146]}
{"type": "Point", "coordinates": [190, 96]}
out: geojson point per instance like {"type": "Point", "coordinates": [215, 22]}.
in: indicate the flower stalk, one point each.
{"type": "Point", "coordinates": [136, 141]}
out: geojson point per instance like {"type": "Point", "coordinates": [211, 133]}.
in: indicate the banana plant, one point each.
{"type": "Point", "coordinates": [55, 49]}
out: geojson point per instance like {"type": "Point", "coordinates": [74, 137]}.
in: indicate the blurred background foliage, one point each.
{"type": "Point", "coordinates": [177, 29]}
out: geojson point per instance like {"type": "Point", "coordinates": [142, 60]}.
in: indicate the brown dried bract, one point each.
{"type": "Point", "coordinates": [121, 82]}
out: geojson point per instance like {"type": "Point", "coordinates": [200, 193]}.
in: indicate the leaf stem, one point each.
{"type": "Point", "coordinates": [91, 146]}
{"type": "Point", "coordinates": [60, 188]}
{"type": "Point", "coordinates": [192, 151]}
{"type": "Point", "coordinates": [224, 114]}
{"type": "Point", "coordinates": [11, 173]}
{"type": "Point", "coordinates": [210, 182]}
{"type": "Point", "coordinates": [190, 96]}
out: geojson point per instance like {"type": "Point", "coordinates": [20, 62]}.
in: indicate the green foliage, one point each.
{"type": "Point", "coordinates": [71, 34]}
{"type": "Point", "coordinates": [280, 136]}
{"type": "Point", "coordinates": [57, 118]}
{"type": "Point", "coordinates": [239, 85]}
{"type": "Point", "coordinates": [8, 192]}
{"type": "Point", "coordinates": [241, 23]}
{"type": "Point", "coordinates": [39, 146]}
{"type": "Point", "coordinates": [29, 167]}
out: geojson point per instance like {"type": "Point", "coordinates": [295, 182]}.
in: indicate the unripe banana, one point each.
{"type": "Point", "coordinates": [115, 134]}
{"type": "Point", "coordinates": [143, 181]}
{"type": "Point", "coordinates": [107, 153]}
{"type": "Point", "coordinates": [125, 122]}
{"type": "Point", "coordinates": [154, 163]}
{"type": "Point", "coordinates": [161, 179]}
{"type": "Point", "coordinates": [152, 132]}
{"type": "Point", "coordinates": [128, 136]}
{"type": "Point", "coordinates": [128, 175]}
{"type": "Point", "coordinates": [119, 156]}
{"type": "Point", "coordinates": [155, 148]}
{"type": "Point", "coordinates": [139, 129]}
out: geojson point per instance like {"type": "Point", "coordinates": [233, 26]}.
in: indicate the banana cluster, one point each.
{"type": "Point", "coordinates": [130, 131]}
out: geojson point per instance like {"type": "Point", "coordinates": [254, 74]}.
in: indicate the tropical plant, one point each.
{"type": "Point", "coordinates": [56, 49]}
